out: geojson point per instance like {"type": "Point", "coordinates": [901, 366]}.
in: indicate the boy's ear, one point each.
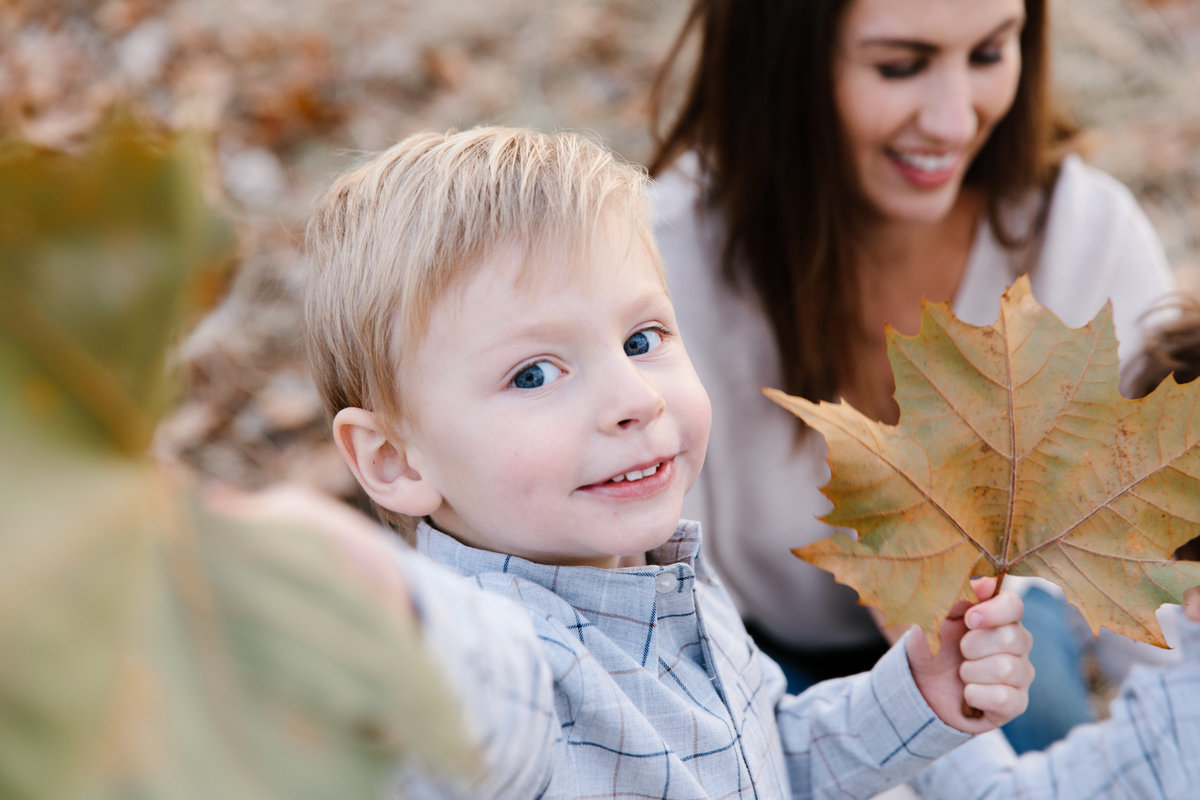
{"type": "Point", "coordinates": [381, 466]}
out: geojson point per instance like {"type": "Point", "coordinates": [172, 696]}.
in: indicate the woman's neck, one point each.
{"type": "Point", "coordinates": [928, 260]}
{"type": "Point", "coordinates": [898, 265]}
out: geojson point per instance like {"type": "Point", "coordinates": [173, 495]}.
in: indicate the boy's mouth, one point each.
{"type": "Point", "coordinates": [636, 474]}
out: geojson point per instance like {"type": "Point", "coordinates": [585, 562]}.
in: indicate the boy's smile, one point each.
{"type": "Point", "coordinates": [553, 407]}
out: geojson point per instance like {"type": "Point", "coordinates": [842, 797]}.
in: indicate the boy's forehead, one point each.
{"type": "Point", "coordinates": [548, 267]}
{"type": "Point", "coordinates": [557, 261]}
{"type": "Point", "coordinates": [547, 263]}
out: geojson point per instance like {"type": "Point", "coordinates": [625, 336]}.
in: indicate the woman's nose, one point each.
{"type": "Point", "coordinates": [948, 113]}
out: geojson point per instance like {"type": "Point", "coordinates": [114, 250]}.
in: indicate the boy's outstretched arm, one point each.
{"type": "Point", "coordinates": [858, 735]}
{"type": "Point", "coordinates": [982, 665]}
{"type": "Point", "coordinates": [486, 647]}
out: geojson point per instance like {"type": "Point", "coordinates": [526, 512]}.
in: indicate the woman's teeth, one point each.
{"type": "Point", "coordinates": [926, 163]}
{"type": "Point", "coordinates": [636, 474]}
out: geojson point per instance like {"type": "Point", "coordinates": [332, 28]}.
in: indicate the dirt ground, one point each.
{"type": "Point", "coordinates": [288, 92]}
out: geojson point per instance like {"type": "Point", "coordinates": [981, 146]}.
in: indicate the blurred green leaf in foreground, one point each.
{"type": "Point", "coordinates": [148, 647]}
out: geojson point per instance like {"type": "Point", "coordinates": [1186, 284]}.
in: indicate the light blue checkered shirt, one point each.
{"type": "Point", "coordinates": [580, 682]}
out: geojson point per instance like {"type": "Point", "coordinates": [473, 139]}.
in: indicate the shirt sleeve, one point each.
{"type": "Point", "coordinates": [492, 663]}
{"type": "Point", "coordinates": [856, 736]}
{"type": "Point", "coordinates": [1148, 748]}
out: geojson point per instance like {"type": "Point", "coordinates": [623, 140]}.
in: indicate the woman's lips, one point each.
{"type": "Point", "coordinates": [925, 170]}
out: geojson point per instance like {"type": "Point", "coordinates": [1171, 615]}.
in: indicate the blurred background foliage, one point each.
{"type": "Point", "coordinates": [286, 93]}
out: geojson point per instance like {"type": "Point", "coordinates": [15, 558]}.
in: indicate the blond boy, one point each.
{"type": "Point", "coordinates": [490, 330]}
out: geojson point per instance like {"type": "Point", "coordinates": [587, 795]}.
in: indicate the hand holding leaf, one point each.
{"type": "Point", "coordinates": [1015, 454]}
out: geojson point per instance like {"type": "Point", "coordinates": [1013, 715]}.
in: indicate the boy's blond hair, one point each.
{"type": "Point", "coordinates": [390, 237]}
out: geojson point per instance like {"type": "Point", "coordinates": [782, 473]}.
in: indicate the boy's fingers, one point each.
{"type": "Point", "coordinates": [1006, 669]}
{"type": "Point", "coordinates": [1010, 639]}
{"type": "Point", "coordinates": [996, 700]}
{"type": "Point", "coordinates": [1003, 609]}
{"type": "Point", "coordinates": [357, 538]}
{"type": "Point", "coordinates": [984, 587]}
{"type": "Point", "coordinates": [1191, 603]}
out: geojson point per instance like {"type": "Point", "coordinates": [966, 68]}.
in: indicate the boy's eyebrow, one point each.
{"type": "Point", "coordinates": [925, 48]}
{"type": "Point", "coordinates": [650, 304]}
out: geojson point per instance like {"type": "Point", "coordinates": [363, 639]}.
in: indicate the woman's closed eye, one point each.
{"type": "Point", "coordinates": [987, 55]}
{"type": "Point", "coordinates": [645, 340]}
{"type": "Point", "coordinates": [898, 70]}
{"type": "Point", "coordinates": [535, 375]}
{"type": "Point", "coordinates": [893, 70]}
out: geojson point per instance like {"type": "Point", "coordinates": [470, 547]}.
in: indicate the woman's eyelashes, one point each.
{"type": "Point", "coordinates": [901, 69]}
{"type": "Point", "coordinates": [535, 375]}
{"type": "Point", "coordinates": [987, 55]}
{"type": "Point", "coordinates": [983, 56]}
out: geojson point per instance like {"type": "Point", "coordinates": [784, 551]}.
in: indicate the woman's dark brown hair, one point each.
{"type": "Point", "coordinates": [759, 111]}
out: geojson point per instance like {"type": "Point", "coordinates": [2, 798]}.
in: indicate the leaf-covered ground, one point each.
{"type": "Point", "coordinates": [288, 91]}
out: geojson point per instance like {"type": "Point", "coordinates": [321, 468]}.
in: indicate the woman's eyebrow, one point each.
{"type": "Point", "coordinates": [925, 48]}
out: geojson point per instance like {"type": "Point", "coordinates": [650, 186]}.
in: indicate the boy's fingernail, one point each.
{"type": "Point", "coordinates": [974, 619]}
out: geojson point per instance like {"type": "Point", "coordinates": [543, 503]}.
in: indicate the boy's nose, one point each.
{"type": "Point", "coordinates": [632, 400]}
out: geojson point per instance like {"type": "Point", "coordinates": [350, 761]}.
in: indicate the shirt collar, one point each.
{"type": "Point", "coordinates": [682, 548]}
{"type": "Point", "coordinates": [622, 605]}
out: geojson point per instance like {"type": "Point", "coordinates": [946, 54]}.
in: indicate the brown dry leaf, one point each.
{"type": "Point", "coordinates": [1015, 454]}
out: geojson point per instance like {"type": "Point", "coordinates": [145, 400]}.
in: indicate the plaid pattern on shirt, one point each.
{"type": "Point", "coordinates": [643, 683]}
{"type": "Point", "coordinates": [586, 683]}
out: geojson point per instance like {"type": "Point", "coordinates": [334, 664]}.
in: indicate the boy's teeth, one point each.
{"type": "Point", "coordinates": [926, 163]}
{"type": "Point", "coordinates": [636, 474]}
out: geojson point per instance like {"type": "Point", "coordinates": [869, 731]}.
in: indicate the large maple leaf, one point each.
{"type": "Point", "coordinates": [1016, 454]}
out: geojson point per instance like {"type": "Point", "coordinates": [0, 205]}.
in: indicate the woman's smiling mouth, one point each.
{"type": "Point", "coordinates": [925, 169]}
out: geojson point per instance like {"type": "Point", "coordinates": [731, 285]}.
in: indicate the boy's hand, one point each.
{"type": "Point", "coordinates": [1191, 604]}
{"type": "Point", "coordinates": [983, 662]}
{"type": "Point", "coordinates": [360, 542]}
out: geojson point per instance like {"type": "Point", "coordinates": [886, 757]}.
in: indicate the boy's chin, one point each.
{"type": "Point", "coordinates": [635, 560]}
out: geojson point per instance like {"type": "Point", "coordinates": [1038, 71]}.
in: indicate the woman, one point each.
{"type": "Point", "coordinates": [832, 163]}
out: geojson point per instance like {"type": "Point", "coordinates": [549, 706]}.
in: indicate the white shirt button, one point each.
{"type": "Point", "coordinates": [665, 582]}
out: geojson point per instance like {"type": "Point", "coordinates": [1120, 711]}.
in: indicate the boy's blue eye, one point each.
{"type": "Point", "coordinates": [537, 374]}
{"type": "Point", "coordinates": [643, 342]}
